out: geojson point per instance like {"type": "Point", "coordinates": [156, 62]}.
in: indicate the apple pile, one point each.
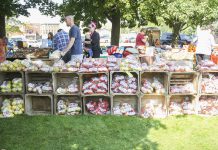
{"type": "Point", "coordinates": [71, 66]}
{"type": "Point", "coordinates": [68, 108]}
{"type": "Point", "coordinates": [99, 107]}
{"type": "Point", "coordinates": [96, 85]}
{"type": "Point", "coordinates": [93, 65]}
{"type": "Point", "coordinates": [125, 109]}
{"type": "Point", "coordinates": [72, 88]}
{"type": "Point", "coordinates": [40, 87]}
{"type": "Point", "coordinates": [16, 65]}
{"type": "Point", "coordinates": [12, 107]}
{"type": "Point", "coordinates": [155, 87]}
{"type": "Point", "coordinates": [14, 86]}
{"type": "Point", "coordinates": [130, 63]}
{"type": "Point", "coordinates": [37, 65]}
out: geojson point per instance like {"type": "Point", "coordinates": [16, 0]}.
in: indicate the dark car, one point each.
{"type": "Point", "coordinates": [166, 39]}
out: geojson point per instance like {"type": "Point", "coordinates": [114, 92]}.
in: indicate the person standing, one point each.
{"type": "Point", "coordinates": [141, 39]}
{"type": "Point", "coordinates": [95, 41]}
{"type": "Point", "coordinates": [204, 44]}
{"type": "Point", "coordinates": [74, 48]}
{"type": "Point", "coordinates": [60, 40]}
{"type": "Point", "coordinates": [50, 39]}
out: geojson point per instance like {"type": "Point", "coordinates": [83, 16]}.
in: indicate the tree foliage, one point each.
{"type": "Point", "coordinates": [10, 8]}
{"type": "Point", "coordinates": [121, 13]}
{"type": "Point", "coordinates": [180, 14]}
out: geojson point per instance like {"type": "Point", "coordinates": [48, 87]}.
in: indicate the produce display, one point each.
{"type": "Point", "coordinates": [178, 54]}
{"type": "Point", "coordinates": [155, 87]}
{"type": "Point", "coordinates": [16, 65]}
{"type": "Point", "coordinates": [65, 107]}
{"type": "Point", "coordinates": [124, 84]}
{"type": "Point", "coordinates": [71, 66]}
{"type": "Point", "coordinates": [12, 107]}
{"type": "Point", "coordinates": [181, 106]}
{"type": "Point", "coordinates": [113, 63]}
{"type": "Point", "coordinates": [153, 110]}
{"type": "Point", "coordinates": [125, 109]}
{"type": "Point", "coordinates": [209, 84]}
{"type": "Point", "coordinates": [98, 107]}
{"type": "Point", "coordinates": [15, 86]}
{"type": "Point", "coordinates": [208, 105]}
{"type": "Point", "coordinates": [187, 88]}
{"type": "Point", "coordinates": [35, 66]}
{"type": "Point", "coordinates": [72, 88]}
{"type": "Point", "coordinates": [93, 65]}
{"type": "Point", "coordinates": [178, 66]}
{"type": "Point", "coordinates": [207, 65]}
{"type": "Point", "coordinates": [130, 63]}
{"type": "Point", "coordinates": [39, 88]}
{"type": "Point", "coordinates": [96, 85]}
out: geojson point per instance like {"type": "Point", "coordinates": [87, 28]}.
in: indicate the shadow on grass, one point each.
{"type": "Point", "coordinates": [78, 133]}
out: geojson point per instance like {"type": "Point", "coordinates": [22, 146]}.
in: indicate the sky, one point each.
{"type": "Point", "coordinates": [37, 17]}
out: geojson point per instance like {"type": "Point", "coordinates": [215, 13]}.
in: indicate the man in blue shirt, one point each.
{"type": "Point", "coordinates": [60, 40]}
{"type": "Point", "coordinates": [75, 44]}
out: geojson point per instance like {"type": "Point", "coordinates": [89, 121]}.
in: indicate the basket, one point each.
{"type": "Point", "coordinates": [156, 101]}
{"type": "Point", "coordinates": [67, 99]}
{"type": "Point", "coordinates": [182, 79]}
{"type": "Point", "coordinates": [179, 99]}
{"type": "Point", "coordinates": [133, 100]}
{"type": "Point", "coordinates": [9, 76]}
{"type": "Point", "coordinates": [87, 77]}
{"type": "Point", "coordinates": [63, 80]}
{"type": "Point", "coordinates": [132, 73]}
{"type": "Point", "coordinates": [161, 76]}
{"type": "Point", "coordinates": [38, 104]}
{"type": "Point", "coordinates": [87, 99]}
{"type": "Point", "coordinates": [37, 78]}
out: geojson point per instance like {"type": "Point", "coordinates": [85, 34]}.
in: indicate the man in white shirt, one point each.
{"type": "Point", "coordinates": [205, 43]}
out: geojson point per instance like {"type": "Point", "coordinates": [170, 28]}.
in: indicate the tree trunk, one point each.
{"type": "Point", "coordinates": [2, 26]}
{"type": "Point", "coordinates": [176, 30]}
{"type": "Point", "coordinates": [115, 32]}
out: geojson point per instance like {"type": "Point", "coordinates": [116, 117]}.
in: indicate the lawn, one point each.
{"type": "Point", "coordinates": [108, 133]}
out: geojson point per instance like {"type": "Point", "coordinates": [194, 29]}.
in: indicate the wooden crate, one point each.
{"type": "Point", "coordinates": [67, 98]}
{"type": "Point", "coordinates": [38, 77]}
{"type": "Point", "coordinates": [38, 104]}
{"type": "Point", "coordinates": [87, 99]}
{"type": "Point", "coordinates": [179, 99]}
{"type": "Point", "coordinates": [3, 97]}
{"type": "Point", "coordinates": [163, 76]}
{"type": "Point", "coordinates": [133, 73]}
{"type": "Point", "coordinates": [87, 77]}
{"type": "Point", "coordinates": [156, 100]}
{"type": "Point", "coordinates": [182, 78]}
{"type": "Point", "coordinates": [211, 105]}
{"type": "Point", "coordinates": [130, 99]}
{"type": "Point", "coordinates": [64, 80]}
{"type": "Point", "coordinates": [9, 76]}
{"type": "Point", "coordinates": [206, 75]}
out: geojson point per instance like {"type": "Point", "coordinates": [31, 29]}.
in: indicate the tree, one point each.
{"type": "Point", "coordinates": [9, 8]}
{"type": "Point", "coordinates": [121, 13]}
{"type": "Point", "coordinates": [180, 14]}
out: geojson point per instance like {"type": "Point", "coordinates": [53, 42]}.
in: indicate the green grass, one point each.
{"type": "Point", "coordinates": [108, 133]}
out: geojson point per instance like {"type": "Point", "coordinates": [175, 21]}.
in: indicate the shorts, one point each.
{"type": "Point", "coordinates": [78, 58]}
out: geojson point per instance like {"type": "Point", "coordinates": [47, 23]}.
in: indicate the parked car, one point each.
{"type": "Point", "coordinates": [166, 39]}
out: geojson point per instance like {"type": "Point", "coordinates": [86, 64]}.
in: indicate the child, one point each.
{"type": "Point", "coordinates": [87, 45]}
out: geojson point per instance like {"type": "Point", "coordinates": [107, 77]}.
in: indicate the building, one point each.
{"type": "Point", "coordinates": [49, 27]}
